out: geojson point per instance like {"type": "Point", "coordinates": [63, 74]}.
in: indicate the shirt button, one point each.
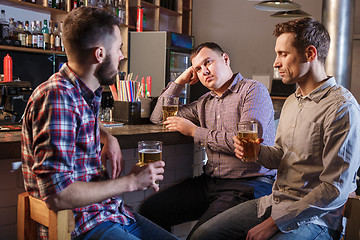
{"type": "Point", "coordinates": [300, 105]}
{"type": "Point", "coordinates": [276, 200]}
{"type": "Point", "coordinates": [293, 126]}
{"type": "Point", "coordinates": [218, 116]}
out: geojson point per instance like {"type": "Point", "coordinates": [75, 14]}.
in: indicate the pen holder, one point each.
{"type": "Point", "coordinates": [128, 112]}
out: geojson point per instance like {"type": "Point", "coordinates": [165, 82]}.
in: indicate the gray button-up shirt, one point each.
{"type": "Point", "coordinates": [317, 155]}
{"type": "Point", "coordinates": [217, 116]}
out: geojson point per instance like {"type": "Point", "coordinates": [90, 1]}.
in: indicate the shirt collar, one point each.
{"type": "Point", "coordinates": [234, 87]}
{"type": "Point", "coordinates": [318, 93]}
{"type": "Point", "coordinates": [86, 92]}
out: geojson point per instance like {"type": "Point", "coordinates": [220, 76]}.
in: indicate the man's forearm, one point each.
{"type": "Point", "coordinates": [104, 134]}
{"type": "Point", "coordinates": [81, 194]}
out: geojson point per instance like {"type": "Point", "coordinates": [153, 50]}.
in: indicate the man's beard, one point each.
{"type": "Point", "coordinates": [105, 74]}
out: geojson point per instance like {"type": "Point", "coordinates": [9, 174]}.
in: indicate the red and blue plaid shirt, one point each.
{"type": "Point", "coordinates": [60, 144]}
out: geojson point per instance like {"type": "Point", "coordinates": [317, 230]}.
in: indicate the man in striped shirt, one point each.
{"type": "Point", "coordinates": [212, 120]}
{"type": "Point", "coordinates": [61, 136]}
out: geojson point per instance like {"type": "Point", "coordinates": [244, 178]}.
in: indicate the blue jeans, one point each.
{"type": "Point", "coordinates": [235, 222]}
{"type": "Point", "coordinates": [141, 229]}
{"type": "Point", "coordinates": [200, 198]}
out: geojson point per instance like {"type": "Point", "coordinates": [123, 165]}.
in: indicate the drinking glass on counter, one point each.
{"type": "Point", "coordinates": [170, 106]}
{"type": "Point", "coordinates": [247, 133]}
{"type": "Point", "coordinates": [149, 151]}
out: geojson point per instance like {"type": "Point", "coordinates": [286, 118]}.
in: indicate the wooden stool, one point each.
{"type": "Point", "coordinates": [31, 210]}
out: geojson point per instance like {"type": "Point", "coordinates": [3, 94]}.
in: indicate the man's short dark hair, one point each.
{"type": "Point", "coordinates": [85, 26]}
{"type": "Point", "coordinates": [213, 46]}
{"type": "Point", "coordinates": [307, 32]}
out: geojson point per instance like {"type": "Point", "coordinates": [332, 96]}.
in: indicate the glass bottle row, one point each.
{"type": "Point", "coordinates": [35, 34]}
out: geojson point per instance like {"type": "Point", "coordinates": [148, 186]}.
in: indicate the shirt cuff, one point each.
{"type": "Point", "coordinates": [54, 184]}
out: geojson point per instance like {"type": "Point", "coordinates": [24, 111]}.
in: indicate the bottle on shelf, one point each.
{"type": "Point", "coordinates": [139, 21]}
{"type": "Point", "coordinates": [13, 33]}
{"type": "Point", "coordinates": [116, 8]}
{"type": "Point", "coordinates": [62, 5]}
{"type": "Point", "coordinates": [58, 4]}
{"type": "Point", "coordinates": [4, 28]}
{"type": "Point", "coordinates": [21, 34]}
{"type": "Point", "coordinates": [8, 68]}
{"type": "Point", "coordinates": [60, 33]}
{"type": "Point", "coordinates": [52, 36]}
{"type": "Point", "coordinates": [144, 21]}
{"type": "Point", "coordinates": [57, 38]}
{"type": "Point", "coordinates": [74, 4]}
{"type": "Point", "coordinates": [34, 35]}
{"type": "Point", "coordinates": [45, 31]}
{"type": "Point", "coordinates": [28, 35]}
{"type": "Point", "coordinates": [40, 35]}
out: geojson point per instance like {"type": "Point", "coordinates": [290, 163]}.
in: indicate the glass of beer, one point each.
{"type": "Point", "coordinates": [247, 134]}
{"type": "Point", "coordinates": [149, 151]}
{"type": "Point", "coordinates": [170, 106]}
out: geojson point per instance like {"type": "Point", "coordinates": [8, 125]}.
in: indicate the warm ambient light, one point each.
{"type": "Point", "coordinates": [291, 14]}
{"type": "Point", "coordinates": [280, 5]}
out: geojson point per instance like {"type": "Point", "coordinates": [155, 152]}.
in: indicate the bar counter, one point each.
{"type": "Point", "coordinates": [179, 154]}
{"type": "Point", "coordinates": [127, 135]}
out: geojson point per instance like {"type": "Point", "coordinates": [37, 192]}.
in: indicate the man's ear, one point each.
{"type": "Point", "coordinates": [226, 59]}
{"type": "Point", "coordinates": [311, 53]}
{"type": "Point", "coordinates": [100, 54]}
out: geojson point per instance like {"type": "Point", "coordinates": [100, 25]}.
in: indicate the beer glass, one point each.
{"type": "Point", "coordinates": [247, 133]}
{"type": "Point", "coordinates": [149, 151]}
{"type": "Point", "coordinates": [170, 106]}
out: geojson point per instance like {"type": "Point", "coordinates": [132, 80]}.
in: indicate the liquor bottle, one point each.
{"type": "Point", "coordinates": [62, 5]}
{"type": "Point", "coordinates": [13, 33]}
{"type": "Point", "coordinates": [34, 35]}
{"type": "Point", "coordinates": [116, 8]}
{"type": "Point", "coordinates": [57, 38]}
{"type": "Point", "coordinates": [40, 35]}
{"type": "Point", "coordinates": [144, 21]}
{"type": "Point", "coordinates": [45, 31]}
{"type": "Point", "coordinates": [21, 34]}
{"type": "Point", "coordinates": [56, 4]}
{"type": "Point", "coordinates": [4, 28]}
{"type": "Point", "coordinates": [52, 36]}
{"type": "Point", "coordinates": [28, 35]}
{"type": "Point", "coordinates": [74, 4]}
{"type": "Point", "coordinates": [60, 33]}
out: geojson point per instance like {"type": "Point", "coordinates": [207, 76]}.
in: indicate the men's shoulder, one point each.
{"type": "Point", "coordinates": [251, 83]}
{"type": "Point", "coordinates": [55, 84]}
{"type": "Point", "coordinates": [340, 96]}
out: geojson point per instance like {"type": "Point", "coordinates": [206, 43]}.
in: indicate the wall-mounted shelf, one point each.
{"type": "Point", "coordinates": [159, 18]}
{"type": "Point", "coordinates": [32, 7]}
{"type": "Point", "coordinates": [30, 50]}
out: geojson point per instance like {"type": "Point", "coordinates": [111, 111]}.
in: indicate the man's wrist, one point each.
{"type": "Point", "coordinates": [179, 82]}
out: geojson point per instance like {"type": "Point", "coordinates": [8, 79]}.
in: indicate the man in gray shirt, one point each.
{"type": "Point", "coordinates": [316, 150]}
{"type": "Point", "coordinates": [211, 121]}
